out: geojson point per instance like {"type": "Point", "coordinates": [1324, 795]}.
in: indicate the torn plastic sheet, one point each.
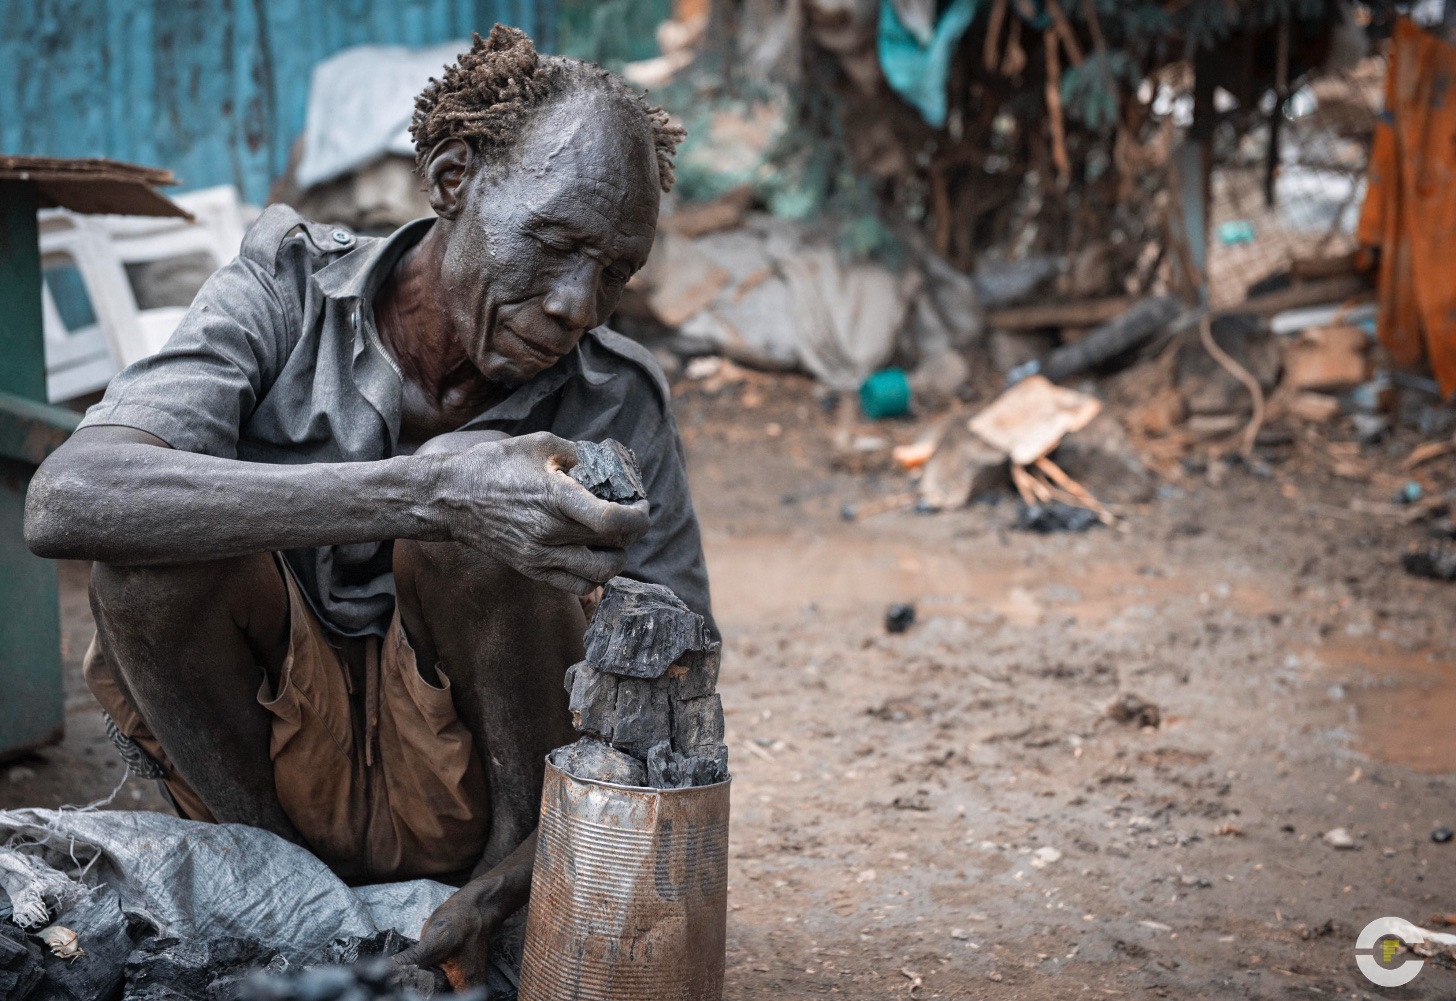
{"type": "Point", "coordinates": [211, 881]}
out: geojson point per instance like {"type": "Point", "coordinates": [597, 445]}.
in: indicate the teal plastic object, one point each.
{"type": "Point", "coordinates": [918, 71]}
{"type": "Point", "coordinates": [1231, 234]}
{"type": "Point", "coordinates": [885, 394]}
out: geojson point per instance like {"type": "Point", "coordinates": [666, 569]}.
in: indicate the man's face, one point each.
{"type": "Point", "coordinates": [545, 240]}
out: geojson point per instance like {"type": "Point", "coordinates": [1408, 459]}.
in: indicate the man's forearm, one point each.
{"type": "Point", "coordinates": [138, 504]}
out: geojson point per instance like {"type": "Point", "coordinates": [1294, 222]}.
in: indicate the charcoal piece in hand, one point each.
{"type": "Point", "coordinates": [589, 758]}
{"type": "Point", "coordinates": [609, 470]}
{"type": "Point", "coordinates": [640, 630]}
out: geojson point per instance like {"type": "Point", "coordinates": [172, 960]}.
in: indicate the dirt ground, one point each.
{"type": "Point", "coordinates": [949, 812]}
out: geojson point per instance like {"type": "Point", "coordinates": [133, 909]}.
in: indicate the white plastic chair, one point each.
{"type": "Point", "coordinates": [99, 247]}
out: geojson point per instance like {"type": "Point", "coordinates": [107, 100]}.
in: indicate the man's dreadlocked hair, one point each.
{"type": "Point", "coordinates": [494, 89]}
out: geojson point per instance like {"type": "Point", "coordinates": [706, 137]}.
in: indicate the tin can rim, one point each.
{"type": "Point", "coordinates": [552, 767]}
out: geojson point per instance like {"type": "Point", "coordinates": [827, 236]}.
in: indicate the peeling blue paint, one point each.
{"type": "Point", "coordinates": [214, 90]}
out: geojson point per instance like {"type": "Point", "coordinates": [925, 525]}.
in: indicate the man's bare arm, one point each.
{"type": "Point", "coordinates": [122, 496]}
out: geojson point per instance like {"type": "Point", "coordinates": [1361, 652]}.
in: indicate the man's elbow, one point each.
{"type": "Point", "coordinates": [54, 509]}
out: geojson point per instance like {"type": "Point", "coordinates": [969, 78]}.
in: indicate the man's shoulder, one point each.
{"type": "Point", "coordinates": [611, 351]}
{"type": "Point", "coordinates": [280, 227]}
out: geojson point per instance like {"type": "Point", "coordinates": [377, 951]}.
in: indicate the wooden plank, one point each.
{"type": "Point", "coordinates": [1337, 289]}
{"type": "Point", "coordinates": [1077, 313]}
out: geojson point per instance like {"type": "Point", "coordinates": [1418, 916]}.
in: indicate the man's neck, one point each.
{"type": "Point", "coordinates": [417, 329]}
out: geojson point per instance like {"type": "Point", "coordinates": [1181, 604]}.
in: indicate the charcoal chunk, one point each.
{"type": "Point", "coordinates": [591, 759]}
{"type": "Point", "coordinates": [353, 949]}
{"type": "Point", "coordinates": [640, 630]}
{"type": "Point", "coordinates": [697, 726]}
{"type": "Point", "coordinates": [644, 716]}
{"type": "Point", "coordinates": [609, 470]}
{"type": "Point", "coordinates": [667, 769]}
{"type": "Point", "coordinates": [593, 700]}
{"type": "Point", "coordinates": [172, 969]}
{"type": "Point", "coordinates": [21, 967]}
{"type": "Point", "coordinates": [102, 934]}
{"type": "Point", "coordinates": [696, 673]}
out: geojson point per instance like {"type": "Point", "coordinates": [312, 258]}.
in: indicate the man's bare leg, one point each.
{"type": "Point", "coordinates": [505, 642]}
{"type": "Point", "coordinates": [189, 645]}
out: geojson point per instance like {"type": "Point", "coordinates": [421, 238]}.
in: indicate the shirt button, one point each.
{"type": "Point", "coordinates": [341, 237]}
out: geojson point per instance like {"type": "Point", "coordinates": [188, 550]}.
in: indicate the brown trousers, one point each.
{"type": "Point", "coordinates": [383, 783]}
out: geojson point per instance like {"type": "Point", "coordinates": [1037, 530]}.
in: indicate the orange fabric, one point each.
{"type": "Point", "coordinates": [1410, 205]}
{"type": "Point", "coordinates": [398, 795]}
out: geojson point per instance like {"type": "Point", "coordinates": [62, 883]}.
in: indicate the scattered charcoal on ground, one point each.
{"type": "Point", "coordinates": [590, 758]}
{"type": "Point", "coordinates": [609, 470]}
{"type": "Point", "coordinates": [1131, 708]}
{"type": "Point", "coordinates": [1055, 517]}
{"type": "Point", "coordinates": [1436, 562]}
{"type": "Point", "coordinates": [640, 630]}
{"type": "Point", "coordinates": [899, 618]}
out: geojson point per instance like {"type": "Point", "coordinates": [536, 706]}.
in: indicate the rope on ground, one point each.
{"type": "Point", "coordinates": [1251, 430]}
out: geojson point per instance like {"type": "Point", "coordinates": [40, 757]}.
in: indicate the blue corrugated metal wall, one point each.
{"type": "Point", "coordinates": [212, 89]}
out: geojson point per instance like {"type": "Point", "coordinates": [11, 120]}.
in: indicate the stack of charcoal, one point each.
{"type": "Point", "coordinates": [644, 696]}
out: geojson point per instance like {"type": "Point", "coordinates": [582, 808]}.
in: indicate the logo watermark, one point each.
{"type": "Point", "coordinates": [1378, 946]}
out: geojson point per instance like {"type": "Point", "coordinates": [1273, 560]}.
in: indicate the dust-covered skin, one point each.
{"type": "Point", "coordinates": [529, 252]}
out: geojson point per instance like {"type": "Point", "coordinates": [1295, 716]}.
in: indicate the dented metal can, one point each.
{"type": "Point", "coordinates": [629, 899]}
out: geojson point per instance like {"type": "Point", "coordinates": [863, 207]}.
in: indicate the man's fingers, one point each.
{"type": "Point", "coordinates": [428, 951]}
{"type": "Point", "coordinates": [613, 524]}
{"type": "Point", "coordinates": [558, 452]}
{"type": "Point", "coordinates": [578, 569]}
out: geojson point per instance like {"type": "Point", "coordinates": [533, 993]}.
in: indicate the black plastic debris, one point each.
{"type": "Point", "coordinates": [1441, 835]}
{"type": "Point", "coordinates": [609, 470]}
{"type": "Point", "coordinates": [1437, 563]}
{"type": "Point", "coordinates": [899, 618]}
{"type": "Point", "coordinates": [21, 967]}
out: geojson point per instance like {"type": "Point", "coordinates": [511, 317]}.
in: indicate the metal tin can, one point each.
{"type": "Point", "coordinates": [629, 899]}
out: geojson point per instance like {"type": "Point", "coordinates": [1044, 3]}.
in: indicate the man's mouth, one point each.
{"type": "Point", "coordinates": [536, 352]}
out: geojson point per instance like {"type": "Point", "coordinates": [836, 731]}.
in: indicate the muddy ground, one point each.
{"type": "Point", "coordinates": [950, 813]}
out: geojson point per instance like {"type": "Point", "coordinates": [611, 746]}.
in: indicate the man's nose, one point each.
{"type": "Point", "coordinates": [572, 300]}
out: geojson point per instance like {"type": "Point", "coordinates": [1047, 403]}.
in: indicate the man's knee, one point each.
{"type": "Point", "coordinates": [247, 592]}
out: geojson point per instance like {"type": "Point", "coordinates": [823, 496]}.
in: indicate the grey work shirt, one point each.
{"type": "Point", "coordinates": [279, 361]}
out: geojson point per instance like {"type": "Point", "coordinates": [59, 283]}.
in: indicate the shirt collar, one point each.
{"type": "Point", "coordinates": [360, 273]}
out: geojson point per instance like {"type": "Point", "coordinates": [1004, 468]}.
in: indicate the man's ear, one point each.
{"type": "Point", "coordinates": [445, 174]}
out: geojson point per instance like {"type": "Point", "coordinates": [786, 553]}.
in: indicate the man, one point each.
{"type": "Point", "coordinates": [337, 560]}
